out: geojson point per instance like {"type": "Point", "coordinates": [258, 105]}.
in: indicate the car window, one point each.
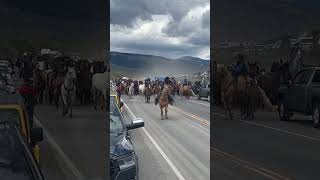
{"type": "Point", "coordinates": [10, 115]}
{"type": "Point", "coordinates": [116, 123]}
{"type": "Point", "coordinates": [316, 77]}
{"type": "Point", "coordinates": [303, 77]}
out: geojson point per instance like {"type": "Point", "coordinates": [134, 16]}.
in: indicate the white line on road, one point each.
{"type": "Point", "coordinates": [208, 105]}
{"type": "Point", "coordinates": [70, 165]}
{"type": "Point", "coordinates": [269, 127]}
{"type": "Point", "coordinates": [172, 166]}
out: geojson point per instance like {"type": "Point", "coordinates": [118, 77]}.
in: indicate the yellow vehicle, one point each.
{"type": "Point", "coordinates": [114, 97]}
{"type": "Point", "coordinates": [12, 111]}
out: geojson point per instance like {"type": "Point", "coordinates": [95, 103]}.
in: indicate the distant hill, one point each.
{"type": "Point", "coordinates": [139, 66]}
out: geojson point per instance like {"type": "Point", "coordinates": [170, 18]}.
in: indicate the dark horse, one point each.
{"type": "Point", "coordinates": [147, 93]}
{"type": "Point", "coordinates": [270, 82]}
{"type": "Point", "coordinates": [84, 82]}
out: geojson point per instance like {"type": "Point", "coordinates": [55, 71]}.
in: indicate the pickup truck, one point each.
{"type": "Point", "coordinates": [302, 95]}
{"type": "Point", "coordinates": [204, 91]}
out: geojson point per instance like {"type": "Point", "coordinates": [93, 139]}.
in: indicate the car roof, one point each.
{"type": "Point", "coordinates": [6, 99]}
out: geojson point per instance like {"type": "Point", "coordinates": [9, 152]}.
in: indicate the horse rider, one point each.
{"type": "Point", "coordinates": [166, 82]}
{"type": "Point", "coordinates": [28, 93]}
{"type": "Point", "coordinates": [185, 82]}
{"type": "Point", "coordinates": [240, 68]}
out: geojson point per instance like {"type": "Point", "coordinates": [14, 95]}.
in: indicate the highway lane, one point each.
{"type": "Point", "coordinates": [265, 147]}
{"type": "Point", "coordinates": [183, 138]}
{"type": "Point", "coordinates": [75, 148]}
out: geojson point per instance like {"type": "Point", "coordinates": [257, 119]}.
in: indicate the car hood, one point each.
{"type": "Point", "coordinates": [119, 145]}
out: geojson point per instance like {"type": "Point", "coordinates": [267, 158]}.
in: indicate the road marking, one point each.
{"type": "Point", "coordinates": [204, 121]}
{"type": "Point", "coordinates": [276, 129]}
{"type": "Point", "coordinates": [251, 166]}
{"type": "Point", "coordinates": [172, 166]}
{"type": "Point", "coordinates": [64, 157]}
{"type": "Point", "coordinates": [208, 105]}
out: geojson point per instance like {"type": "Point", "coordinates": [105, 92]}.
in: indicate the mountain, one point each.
{"type": "Point", "coordinates": [139, 65]}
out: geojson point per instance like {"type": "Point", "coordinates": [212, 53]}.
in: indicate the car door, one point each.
{"type": "Point", "coordinates": [298, 90]}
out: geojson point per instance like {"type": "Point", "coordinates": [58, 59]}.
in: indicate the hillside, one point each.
{"type": "Point", "coordinates": [140, 66]}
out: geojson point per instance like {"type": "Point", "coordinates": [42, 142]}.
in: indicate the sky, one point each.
{"type": "Point", "coordinates": [167, 28]}
{"type": "Point", "coordinates": [260, 20]}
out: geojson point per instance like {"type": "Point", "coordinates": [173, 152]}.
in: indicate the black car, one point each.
{"type": "Point", "coordinates": [16, 158]}
{"type": "Point", "coordinates": [123, 159]}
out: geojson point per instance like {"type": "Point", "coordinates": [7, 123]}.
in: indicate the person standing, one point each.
{"type": "Point", "coordinates": [28, 93]}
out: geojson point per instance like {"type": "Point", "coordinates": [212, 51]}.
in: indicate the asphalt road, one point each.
{"type": "Point", "coordinates": [73, 148]}
{"type": "Point", "coordinates": [174, 148]}
{"type": "Point", "coordinates": [264, 148]}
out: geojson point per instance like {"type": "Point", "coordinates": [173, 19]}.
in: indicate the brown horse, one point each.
{"type": "Point", "coordinates": [230, 89]}
{"type": "Point", "coordinates": [147, 93]}
{"type": "Point", "coordinates": [164, 101]}
{"type": "Point", "coordinates": [185, 91]}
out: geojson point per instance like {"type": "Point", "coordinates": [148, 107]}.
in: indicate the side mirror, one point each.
{"type": "Point", "coordinates": [36, 134]}
{"type": "Point", "coordinates": [136, 123]}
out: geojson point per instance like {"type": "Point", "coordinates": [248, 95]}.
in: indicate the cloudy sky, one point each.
{"type": "Point", "coordinates": [168, 28]}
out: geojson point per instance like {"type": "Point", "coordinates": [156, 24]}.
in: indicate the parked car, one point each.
{"type": "Point", "coordinates": [123, 159]}
{"type": "Point", "coordinates": [204, 91]}
{"type": "Point", "coordinates": [302, 95]}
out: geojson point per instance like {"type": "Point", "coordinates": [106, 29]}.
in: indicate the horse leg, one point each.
{"type": "Point", "coordinates": [166, 112]}
{"type": "Point", "coordinates": [161, 114]}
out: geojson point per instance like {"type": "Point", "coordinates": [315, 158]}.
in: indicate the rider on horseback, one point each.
{"type": "Point", "coordinates": [166, 82]}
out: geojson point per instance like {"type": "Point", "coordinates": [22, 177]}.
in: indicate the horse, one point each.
{"type": "Point", "coordinates": [147, 93]}
{"type": "Point", "coordinates": [270, 83]}
{"type": "Point", "coordinates": [229, 88]}
{"type": "Point", "coordinates": [141, 89]}
{"type": "Point", "coordinates": [164, 101]}
{"type": "Point", "coordinates": [185, 91]}
{"type": "Point", "coordinates": [99, 88]}
{"type": "Point", "coordinates": [68, 91]}
{"type": "Point", "coordinates": [131, 90]}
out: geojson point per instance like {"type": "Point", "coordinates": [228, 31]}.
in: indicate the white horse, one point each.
{"type": "Point", "coordinates": [131, 89]}
{"type": "Point", "coordinates": [141, 89]}
{"type": "Point", "coordinates": [68, 91]}
{"type": "Point", "coordinates": [99, 88]}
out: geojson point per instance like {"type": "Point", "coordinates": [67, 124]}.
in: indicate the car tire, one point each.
{"type": "Point", "coordinates": [198, 97]}
{"type": "Point", "coordinates": [316, 115]}
{"type": "Point", "coordinates": [283, 116]}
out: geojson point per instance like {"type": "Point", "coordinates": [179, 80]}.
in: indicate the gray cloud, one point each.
{"type": "Point", "coordinates": [183, 29]}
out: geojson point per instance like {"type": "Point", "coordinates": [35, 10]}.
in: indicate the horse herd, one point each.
{"type": "Point", "coordinates": [256, 89]}
{"type": "Point", "coordinates": [159, 89]}
{"type": "Point", "coordinates": [64, 82]}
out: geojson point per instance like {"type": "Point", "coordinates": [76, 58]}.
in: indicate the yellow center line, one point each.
{"type": "Point", "coordinates": [204, 121]}
{"type": "Point", "coordinates": [251, 166]}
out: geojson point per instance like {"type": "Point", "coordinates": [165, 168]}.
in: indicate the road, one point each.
{"type": "Point", "coordinates": [264, 148]}
{"type": "Point", "coordinates": [73, 148]}
{"type": "Point", "coordinates": [174, 148]}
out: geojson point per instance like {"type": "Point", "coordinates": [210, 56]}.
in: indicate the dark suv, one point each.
{"type": "Point", "coordinates": [123, 159]}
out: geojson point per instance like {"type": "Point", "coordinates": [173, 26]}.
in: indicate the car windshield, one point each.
{"type": "Point", "coordinates": [116, 124]}
{"type": "Point", "coordinates": [9, 115]}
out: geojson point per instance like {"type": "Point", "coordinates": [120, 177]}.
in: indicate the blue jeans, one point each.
{"type": "Point", "coordinates": [30, 110]}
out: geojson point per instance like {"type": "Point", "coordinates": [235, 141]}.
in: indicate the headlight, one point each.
{"type": "Point", "coordinates": [127, 162]}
